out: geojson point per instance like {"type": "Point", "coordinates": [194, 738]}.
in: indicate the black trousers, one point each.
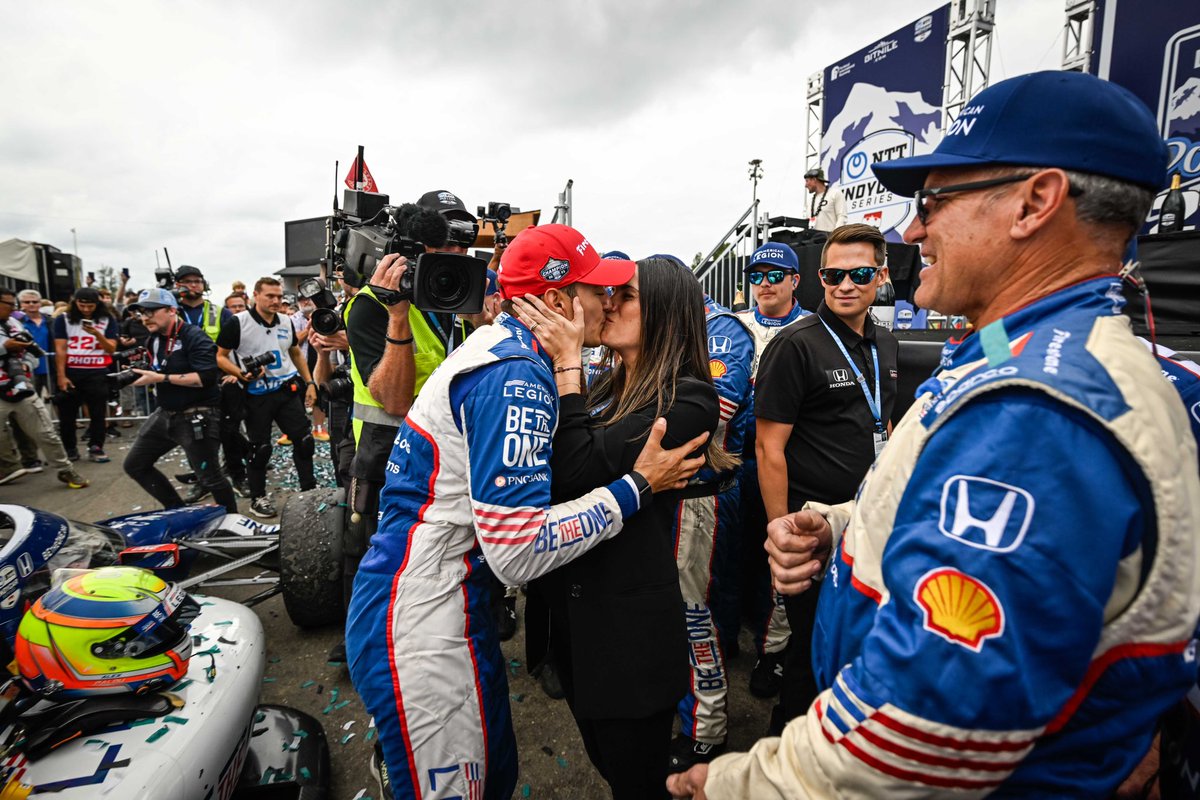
{"type": "Point", "coordinates": [799, 686]}
{"type": "Point", "coordinates": [285, 408]}
{"type": "Point", "coordinates": [91, 390]}
{"type": "Point", "coordinates": [233, 442]}
{"type": "Point", "coordinates": [630, 754]}
{"type": "Point", "coordinates": [163, 432]}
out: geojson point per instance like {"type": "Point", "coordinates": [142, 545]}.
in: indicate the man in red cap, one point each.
{"type": "Point", "coordinates": [468, 490]}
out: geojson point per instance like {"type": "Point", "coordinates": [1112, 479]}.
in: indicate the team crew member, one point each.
{"type": "Point", "coordinates": [1011, 601]}
{"type": "Point", "coordinates": [773, 273]}
{"type": "Point", "coordinates": [84, 340]}
{"type": "Point", "coordinates": [706, 528]}
{"type": "Point", "coordinates": [195, 309]}
{"type": "Point", "coordinates": [826, 204]}
{"type": "Point", "coordinates": [27, 413]}
{"type": "Point", "coordinates": [825, 392]}
{"type": "Point", "coordinates": [185, 375]}
{"type": "Point", "coordinates": [468, 491]}
{"type": "Point", "coordinates": [275, 393]}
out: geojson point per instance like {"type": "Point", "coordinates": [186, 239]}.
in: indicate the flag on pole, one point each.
{"type": "Point", "coordinates": [368, 182]}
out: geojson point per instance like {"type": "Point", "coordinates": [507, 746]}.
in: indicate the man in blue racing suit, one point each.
{"type": "Point", "coordinates": [1011, 600]}
{"type": "Point", "coordinates": [467, 492]}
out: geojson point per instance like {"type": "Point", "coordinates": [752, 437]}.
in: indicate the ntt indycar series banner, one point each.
{"type": "Point", "coordinates": [884, 102]}
{"type": "Point", "coordinates": [1152, 48]}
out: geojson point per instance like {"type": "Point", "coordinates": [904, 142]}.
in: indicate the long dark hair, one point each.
{"type": "Point", "coordinates": [673, 345]}
{"type": "Point", "coordinates": [89, 296]}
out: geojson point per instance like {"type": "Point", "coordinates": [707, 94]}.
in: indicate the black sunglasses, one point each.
{"type": "Point", "coordinates": [923, 196]}
{"type": "Point", "coordinates": [773, 276]}
{"type": "Point", "coordinates": [860, 276]}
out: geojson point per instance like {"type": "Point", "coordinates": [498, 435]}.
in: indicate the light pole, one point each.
{"type": "Point", "coordinates": [756, 173]}
{"type": "Point", "coordinates": [75, 245]}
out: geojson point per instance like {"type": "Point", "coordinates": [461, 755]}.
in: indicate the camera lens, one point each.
{"type": "Point", "coordinates": [446, 285]}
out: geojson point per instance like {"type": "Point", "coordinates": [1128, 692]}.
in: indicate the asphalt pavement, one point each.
{"type": "Point", "coordinates": [553, 763]}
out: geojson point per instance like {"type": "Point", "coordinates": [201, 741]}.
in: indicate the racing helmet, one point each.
{"type": "Point", "coordinates": [106, 631]}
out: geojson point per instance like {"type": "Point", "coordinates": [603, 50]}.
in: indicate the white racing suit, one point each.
{"type": "Point", "coordinates": [1012, 601]}
{"type": "Point", "coordinates": [468, 490]}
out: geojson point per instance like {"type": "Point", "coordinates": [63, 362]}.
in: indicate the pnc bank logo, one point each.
{"type": "Point", "coordinates": [983, 513]}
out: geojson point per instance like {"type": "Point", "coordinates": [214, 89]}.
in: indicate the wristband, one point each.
{"type": "Point", "coordinates": [558, 370]}
{"type": "Point", "coordinates": [645, 493]}
{"type": "Point", "coordinates": [401, 342]}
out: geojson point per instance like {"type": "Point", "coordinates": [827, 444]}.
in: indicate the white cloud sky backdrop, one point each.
{"type": "Point", "coordinates": [202, 126]}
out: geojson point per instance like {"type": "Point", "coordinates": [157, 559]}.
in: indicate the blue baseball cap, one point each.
{"type": "Point", "coordinates": [616, 255]}
{"type": "Point", "coordinates": [492, 286]}
{"type": "Point", "coordinates": [774, 256]}
{"type": "Point", "coordinates": [1058, 119]}
{"type": "Point", "coordinates": [151, 299]}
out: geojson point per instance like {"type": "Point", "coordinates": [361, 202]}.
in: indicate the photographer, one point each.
{"type": "Point", "coordinates": [184, 368]}
{"type": "Point", "coordinates": [22, 404]}
{"type": "Point", "coordinates": [84, 340]}
{"type": "Point", "coordinates": [277, 390]}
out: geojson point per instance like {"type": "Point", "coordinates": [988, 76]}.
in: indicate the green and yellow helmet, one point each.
{"type": "Point", "coordinates": [105, 631]}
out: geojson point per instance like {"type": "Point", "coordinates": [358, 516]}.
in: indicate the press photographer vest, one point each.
{"type": "Point", "coordinates": [82, 352]}
{"type": "Point", "coordinates": [277, 339]}
{"type": "Point", "coordinates": [428, 353]}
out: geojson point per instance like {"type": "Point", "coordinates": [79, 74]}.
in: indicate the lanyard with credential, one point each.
{"type": "Point", "coordinates": [872, 403]}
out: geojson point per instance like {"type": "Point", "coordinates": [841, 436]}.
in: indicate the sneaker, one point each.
{"type": "Point", "coordinates": [381, 773]}
{"type": "Point", "coordinates": [97, 454]}
{"type": "Point", "coordinates": [241, 487]}
{"type": "Point", "coordinates": [686, 753]}
{"type": "Point", "coordinates": [34, 466]}
{"type": "Point", "coordinates": [320, 433]}
{"type": "Point", "coordinates": [113, 433]}
{"type": "Point", "coordinates": [186, 477]}
{"type": "Point", "coordinates": [263, 507]}
{"type": "Point", "coordinates": [72, 479]}
{"type": "Point", "coordinates": [548, 680]}
{"type": "Point", "coordinates": [72, 454]}
{"type": "Point", "coordinates": [767, 675]}
{"type": "Point", "coordinates": [12, 475]}
{"type": "Point", "coordinates": [506, 618]}
{"type": "Point", "coordinates": [196, 494]}
{"type": "Point", "coordinates": [283, 440]}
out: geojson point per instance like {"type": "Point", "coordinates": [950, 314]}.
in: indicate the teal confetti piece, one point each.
{"type": "Point", "coordinates": [370, 734]}
{"type": "Point", "coordinates": [260, 716]}
{"type": "Point", "coordinates": [210, 651]}
{"type": "Point", "coordinates": [268, 680]}
{"type": "Point", "coordinates": [137, 722]}
{"type": "Point", "coordinates": [208, 603]}
{"type": "Point", "coordinates": [562, 762]}
{"type": "Point", "coordinates": [327, 709]}
{"type": "Point", "coordinates": [305, 773]}
{"type": "Point", "coordinates": [179, 687]}
{"type": "Point", "coordinates": [307, 684]}
{"type": "Point", "coordinates": [274, 659]}
{"type": "Point", "coordinates": [333, 695]}
{"type": "Point", "coordinates": [341, 705]}
{"type": "Point", "coordinates": [516, 698]}
{"type": "Point", "coordinates": [224, 622]}
{"type": "Point", "coordinates": [303, 734]}
{"type": "Point", "coordinates": [203, 465]}
{"type": "Point", "coordinates": [321, 507]}
{"type": "Point", "coordinates": [266, 776]}
{"type": "Point", "coordinates": [158, 734]}
{"type": "Point", "coordinates": [177, 720]}
{"type": "Point", "coordinates": [96, 741]}
{"type": "Point", "coordinates": [347, 737]}
{"type": "Point", "coordinates": [525, 790]}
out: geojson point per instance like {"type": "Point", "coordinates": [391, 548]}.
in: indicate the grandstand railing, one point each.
{"type": "Point", "coordinates": [720, 272]}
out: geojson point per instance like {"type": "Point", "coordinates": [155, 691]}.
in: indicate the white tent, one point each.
{"type": "Point", "coordinates": [18, 260]}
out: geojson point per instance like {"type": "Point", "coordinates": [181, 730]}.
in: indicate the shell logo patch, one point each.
{"type": "Point", "coordinates": [717, 368]}
{"type": "Point", "coordinates": [959, 608]}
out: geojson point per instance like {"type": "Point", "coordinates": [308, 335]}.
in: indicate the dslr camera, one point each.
{"type": "Point", "coordinates": [253, 364]}
{"type": "Point", "coordinates": [338, 389]}
{"type": "Point", "coordinates": [368, 228]}
{"type": "Point", "coordinates": [133, 358]}
{"type": "Point", "coordinates": [16, 384]}
{"type": "Point", "coordinates": [325, 318]}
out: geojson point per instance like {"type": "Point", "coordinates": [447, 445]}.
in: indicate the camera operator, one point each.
{"type": "Point", "coordinates": [190, 287]}
{"type": "Point", "coordinates": [184, 368]}
{"type": "Point", "coordinates": [22, 404]}
{"type": "Point", "coordinates": [277, 391]}
{"type": "Point", "coordinates": [333, 364]}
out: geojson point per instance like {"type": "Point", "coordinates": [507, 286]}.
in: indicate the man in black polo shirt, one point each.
{"type": "Point", "coordinates": [188, 414]}
{"type": "Point", "coordinates": [825, 391]}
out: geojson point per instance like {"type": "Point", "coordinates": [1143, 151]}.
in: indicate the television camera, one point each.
{"type": "Point", "coordinates": [16, 384]}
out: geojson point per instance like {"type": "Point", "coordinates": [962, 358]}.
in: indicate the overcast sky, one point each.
{"type": "Point", "coordinates": [202, 126]}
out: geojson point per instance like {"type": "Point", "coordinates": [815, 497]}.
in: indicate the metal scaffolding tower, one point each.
{"type": "Point", "coordinates": [1079, 35]}
{"type": "Point", "coordinates": [816, 104]}
{"type": "Point", "coordinates": [968, 52]}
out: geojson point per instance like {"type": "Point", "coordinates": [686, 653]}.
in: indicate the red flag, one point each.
{"type": "Point", "coordinates": [368, 183]}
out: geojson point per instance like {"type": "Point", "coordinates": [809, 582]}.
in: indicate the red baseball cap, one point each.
{"type": "Point", "coordinates": [552, 256]}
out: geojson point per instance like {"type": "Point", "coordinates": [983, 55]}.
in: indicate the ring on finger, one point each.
{"type": "Point", "coordinates": [534, 325]}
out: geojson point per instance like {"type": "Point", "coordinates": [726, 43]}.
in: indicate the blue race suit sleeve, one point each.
{"type": "Point", "coordinates": [999, 574]}
{"type": "Point", "coordinates": [508, 415]}
{"type": "Point", "coordinates": [730, 356]}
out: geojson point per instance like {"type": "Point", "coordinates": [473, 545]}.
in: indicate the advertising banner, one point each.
{"type": "Point", "coordinates": [884, 102]}
{"type": "Point", "coordinates": [1152, 48]}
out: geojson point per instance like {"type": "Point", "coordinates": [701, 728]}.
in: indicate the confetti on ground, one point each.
{"type": "Point", "coordinates": [562, 762]}
{"type": "Point", "coordinates": [137, 508]}
{"type": "Point", "coordinates": [274, 659]}
{"type": "Point", "coordinates": [307, 684]}
{"type": "Point", "coordinates": [349, 725]}
{"type": "Point", "coordinates": [341, 705]}
{"type": "Point", "coordinates": [305, 773]}
{"type": "Point", "coordinates": [348, 737]}
{"type": "Point", "coordinates": [224, 622]}
{"type": "Point", "coordinates": [268, 680]}
{"type": "Point", "coordinates": [370, 734]}
{"type": "Point", "coordinates": [525, 790]}
{"type": "Point", "coordinates": [322, 507]}
{"type": "Point", "coordinates": [362, 795]}
{"type": "Point", "coordinates": [516, 698]}
{"type": "Point", "coordinates": [158, 734]}
{"type": "Point", "coordinates": [266, 776]}
{"type": "Point", "coordinates": [333, 694]}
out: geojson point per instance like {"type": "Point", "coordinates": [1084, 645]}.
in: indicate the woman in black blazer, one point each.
{"type": "Point", "coordinates": [613, 619]}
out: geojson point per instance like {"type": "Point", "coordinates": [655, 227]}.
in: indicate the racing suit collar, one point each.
{"type": "Point", "coordinates": [778, 322]}
{"type": "Point", "coordinates": [524, 334]}
{"type": "Point", "coordinates": [1094, 297]}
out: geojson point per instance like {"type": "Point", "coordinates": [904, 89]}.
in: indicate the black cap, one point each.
{"type": "Point", "coordinates": [187, 269]}
{"type": "Point", "coordinates": [447, 204]}
{"type": "Point", "coordinates": [816, 172]}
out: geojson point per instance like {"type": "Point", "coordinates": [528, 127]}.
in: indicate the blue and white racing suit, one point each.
{"type": "Point", "coordinates": [1012, 601]}
{"type": "Point", "coordinates": [704, 530]}
{"type": "Point", "coordinates": [467, 490]}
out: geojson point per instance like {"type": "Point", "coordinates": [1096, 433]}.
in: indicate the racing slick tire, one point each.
{"type": "Point", "coordinates": [311, 527]}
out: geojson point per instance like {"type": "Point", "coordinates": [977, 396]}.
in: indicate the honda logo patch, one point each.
{"type": "Point", "coordinates": [983, 513]}
{"type": "Point", "coordinates": [719, 345]}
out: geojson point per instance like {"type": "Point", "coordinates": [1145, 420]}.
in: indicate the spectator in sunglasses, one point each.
{"type": "Point", "coordinates": [825, 391]}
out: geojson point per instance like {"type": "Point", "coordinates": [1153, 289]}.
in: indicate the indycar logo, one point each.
{"type": "Point", "coordinates": [986, 514]}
